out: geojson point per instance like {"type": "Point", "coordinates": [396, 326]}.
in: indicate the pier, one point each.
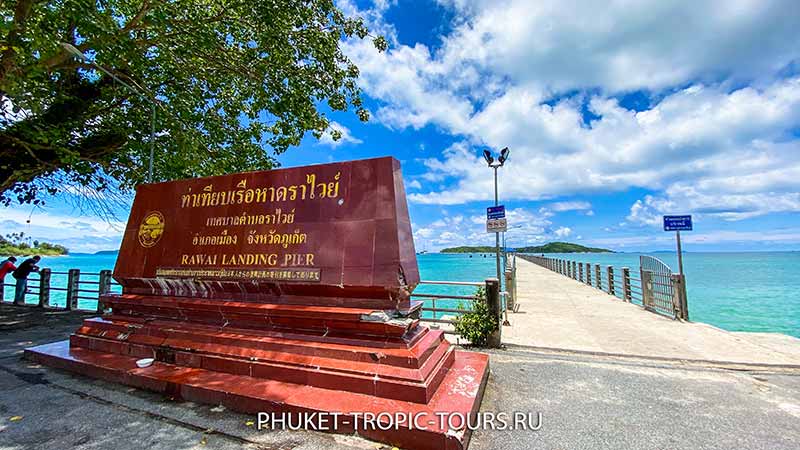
{"type": "Point", "coordinates": [558, 312]}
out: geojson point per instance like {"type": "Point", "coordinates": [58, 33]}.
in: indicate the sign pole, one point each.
{"type": "Point", "coordinates": [497, 234]}
{"type": "Point", "coordinates": [676, 224]}
{"type": "Point", "coordinates": [680, 253]}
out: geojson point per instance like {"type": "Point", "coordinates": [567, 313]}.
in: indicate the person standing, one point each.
{"type": "Point", "coordinates": [7, 266]}
{"type": "Point", "coordinates": [21, 274]}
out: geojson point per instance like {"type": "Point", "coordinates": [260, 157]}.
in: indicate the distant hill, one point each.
{"type": "Point", "coordinates": [17, 244]}
{"type": "Point", "coordinates": [107, 252]}
{"type": "Point", "coordinates": [552, 247]}
{"type": "Point", "coordinates": [467, 249]}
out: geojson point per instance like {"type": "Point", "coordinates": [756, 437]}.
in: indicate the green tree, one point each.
{"type": "Point", "coordinates": [237, 81]}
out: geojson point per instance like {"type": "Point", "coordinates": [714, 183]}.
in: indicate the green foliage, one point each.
{"type": "Point", "coordinates": [469, 249]}
{"type": "Point", "coordinates": [478, 324]}
{"type": "Point", "coordinates": [562, 247]}
{"type": "Point", "coordinates": [236, 83]}
{"type": "Point", "coordinates": [552, 247]}
{"type": "Point", "coordinates": [17, 244]}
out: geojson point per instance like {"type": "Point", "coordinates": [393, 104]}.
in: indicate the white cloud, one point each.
{"type": "Point", "coordinates": [703, 135]}
{"type": "Point", "coordinates": [77, 233]}
{"type": "Point", "coordinates": [562, 232]}
{"type": "Point", "coordinates": [681, 198]}
{"type": "Point", "coordinates": [667, 240]}
{"type": "Point", "coordinates": [731, 135]}
{"type": "Point", "coordinates": [570, 206]}
{"type": "Point", "coordinates": [346, 137]}
{"type": "Point", "coordinates": [414, 184]}
{"type": "Point", "coordinates": [524, 228]}
{"type": "Point", "coordinates": [619, 46]}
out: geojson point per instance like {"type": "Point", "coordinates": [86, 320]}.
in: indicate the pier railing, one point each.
{"type": "Point", "coordinates": [79, 291]}
{"type": "Point", "coordinates": [662, 291]}
{"type": "Point", "coordinates": [456, 305]}
{"type": "Point", "coordinates": [500, 301]}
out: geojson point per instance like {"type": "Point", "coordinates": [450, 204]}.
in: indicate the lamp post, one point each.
{"type": "Point", "coordinates": [490, 161]}
{"type": "Point", "coordinates": [82, 57]}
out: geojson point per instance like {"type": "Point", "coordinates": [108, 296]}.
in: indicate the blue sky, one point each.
{"type": "Point", "coordinates": [615, 114]}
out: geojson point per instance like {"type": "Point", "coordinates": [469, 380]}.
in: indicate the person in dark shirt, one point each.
{"type": "Point", "coordinates": [21, 274]}
{"type": "Point", "coordinates": [7, 266]}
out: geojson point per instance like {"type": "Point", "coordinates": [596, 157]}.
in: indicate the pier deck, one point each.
{"type": "Point", "coordinates": [557, 312]}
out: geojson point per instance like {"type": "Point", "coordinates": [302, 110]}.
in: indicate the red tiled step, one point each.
{"type": "Point", "coordinates": [255, 315]}
{"type": "Point", "coordinates": [459, 392]}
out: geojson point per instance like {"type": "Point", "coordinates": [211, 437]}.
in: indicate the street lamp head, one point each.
{"type": "Point", "coordinates": [488, 157]}
{"type": "Point", "coordinates": [503, 155]}
{"type": "Point", "coordinates": [74, 51]}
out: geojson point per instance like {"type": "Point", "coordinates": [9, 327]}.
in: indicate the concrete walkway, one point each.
{"type": "Point", "coordinates": [557, 312]}
{"type": "Point", "coordinates": [585, 402]}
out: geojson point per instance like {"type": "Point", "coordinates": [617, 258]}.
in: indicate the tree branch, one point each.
{"type": "Point", "coordinates": [9, 55]}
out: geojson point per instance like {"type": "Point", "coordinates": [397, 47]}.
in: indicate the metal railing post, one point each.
{"type": "Point", "coordinates": [580, 272]}
{"type": "Point", "coordinates": [514, 270]}
{"type": "Point", "coordinates": [44, 288]}
{"type": "Point", "coordinates": [679, 292]}
{"type": "Point", "coordinates": [647, 293]}
{"type": "Point", "coordinates": [610, 274]}
{"type": "Point", "coordinates": [511, 298]}
{"type": "Point", "coordinates": [103, 288]}
{"type": "Point", "coordinates": [598, 279]}
{"type": "Point", "coordinates": [626, 284]}
{"type": "Point", "coordinates": [493, 301]}
{"type": "Point", "coordinates": [73, 281]}
{"type": "Point", "coordinates": [574, 270]}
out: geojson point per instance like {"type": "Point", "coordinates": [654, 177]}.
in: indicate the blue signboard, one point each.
{"type": "Point", "coordinates": [496, 212]}
{"type": "Point", "coordinates": [677, 223]}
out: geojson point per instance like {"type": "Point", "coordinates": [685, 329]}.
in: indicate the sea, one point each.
{"type": "Point", "coordinates": [748, 291]}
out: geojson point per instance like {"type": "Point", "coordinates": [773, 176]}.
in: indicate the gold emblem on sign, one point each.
{"type": "Point", "coordinates": [151, 229]}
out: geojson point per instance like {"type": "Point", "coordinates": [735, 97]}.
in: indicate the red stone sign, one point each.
{"type": "Point", "coordinates": [330, 231]}
{"type": "Point", "coordinates": [282, 291]}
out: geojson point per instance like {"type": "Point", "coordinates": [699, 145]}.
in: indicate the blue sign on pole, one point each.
{"type": "Point", "coordinates": [677, 223]}
{"type": "Point", "coordinates": [496, 212]}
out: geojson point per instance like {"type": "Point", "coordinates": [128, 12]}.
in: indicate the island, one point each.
{"type": "Point", "coordinates": [552, 247]}
{"type": "Point", "coordinates": [17, 244]}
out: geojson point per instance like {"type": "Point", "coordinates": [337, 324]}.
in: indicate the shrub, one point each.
{"type": "Point", "coordinates": [477, 324]}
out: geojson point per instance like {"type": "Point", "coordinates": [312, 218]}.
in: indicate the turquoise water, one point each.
{"type": "Point", "coordinates": [734, 291]}
{"type": "Point", "coordinates": [89, 265]}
